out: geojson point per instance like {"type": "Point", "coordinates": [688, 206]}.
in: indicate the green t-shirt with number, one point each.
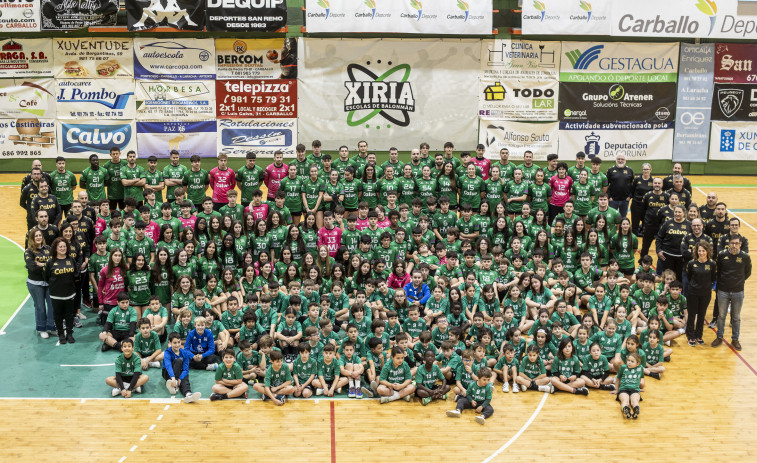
{"type": "Point", "coordinates": [174, 173]}
{"type": "Point", "coordinates": [235, 372]}
{"type": "Point", "coordinates": [470, 191]}
{"type": "Point", "coordinates": [540, 195]}
{"type": "Point", "coordinates": [395, 375]}
{"type": "Point", "coordinates": [292, 188]}
{"type": "Point", "coordinates": [582, 194]}
{"type": "Point", "coordinates": [95, 180]}
{"type": "Point", "coordinates": [249, 180]}
{"type": "Point", "coordinates": [146, 346]}
{"type": "Point", "coordinates": [128, 366]}
{"type": "Point", "coordinates": [120, 319]}
{"type": "Point", "coordinates": [115, 187]}
{"type": "Point", "coordinates": [329, 371]}
{"type": "Point", "coordinates": [351, 190]}
{"type": "Point", "coordinates": [196, 183]}
{"type": "Point", "coordinates": [303, 370]}
{"type": "Point", "coordinates": [428, 378]}
{"type": "Point", "coordinates": [567, 367]}
{"type": "Point", "coordinates": [62, 186]}
{"type": "Point", "coordinates": [275, 378]}
{"type": "Point", "coordinates": [532, 369]}
{"type": "Point", "coordinates": [133, 173]}
{"type": "Point", "coordinates": [630, 378]}
{"type": "Point", "coordinates": [595, 367]}
{"type": "Point", "coordinates": [516, 190]}
{"type": "Point", "coordinates": [312, 191]}
{"type": "Point", "coordinates": [152, 179]}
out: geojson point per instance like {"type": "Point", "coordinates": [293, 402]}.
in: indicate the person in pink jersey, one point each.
{"type": "Point", "coordinates": [222, 180]}
{"type": "Point", "coordinates": [330, 235]}
{"type": "Point", "coordinates": [257, 207]}
{"type": "Point", "coordinates": [274, 173]}
{"type": "Point", "coordinates": [110, 283]}
{"type": "Point", "coordinates": [561, 185]}
{"type": "Point", "coordinates": [481, 162]}
{"type": "Point", "coordinates": [152, 229]}
{"type": "Point", "coordinates": [186, 218]}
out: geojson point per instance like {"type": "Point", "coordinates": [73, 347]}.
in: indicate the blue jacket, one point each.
{"type": "Point", "coordinates": [202, 343]}
{"type": "Point", "coordinates": [421, 294]}
{"type": "Point", "coordinates": [169, 357]}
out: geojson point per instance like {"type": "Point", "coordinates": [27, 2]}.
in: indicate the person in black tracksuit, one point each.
{"type": "Point", "coordinates": [61, 273]}
{"type": "Point", "coordinates": [734, 268]}
{"type": "Point", "coordinates": [668, 243]}
{"type": "Point", "coordinates": [651, 204]}
{"type": "Point", "coordinates": [641, 185]}
{"type": "Point", "coordinates": [702, 272]}
{"type": "Point", "coordinates": [734, 225]}
{"type": "Point", "coordinates": [687, 246]}
{"type": "Point", "coordinates": [717, 227]}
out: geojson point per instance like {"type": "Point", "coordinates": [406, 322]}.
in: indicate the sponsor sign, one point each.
{"type": "Point", "coordinates": [27, 98]}
{"type": "Point", "coordinates": [389, 92]}
{"type": "Point", "coordinates": [67, 14]}
{"type": "Point", "coordinates": [637, 141]}
{"type": "Point", "coordinates": [520, 59]}
{"type": "Point", "coordinates": [27, 137]}
{"type": "Point", "coordinates": [449, 17]}
{"type": "Point", "coordinates": [246, 15]}
{"type": "Point", "coordinates": [256, 59]}
{"type": "Point", "coordinates": [734, 102]}
{"type": "Point", "coordinates": [518, 137]}
{"type": "Point", "coordinates": [179, 14]}
{"type": "Point", "coordinates": [26, 58]}
{"type": "Point", "coordinates": [175, 59]}
{"type": "Point", "coordinates": [175, 100]}
{"type": "Point", "coordinates": [262, 99]}
{"type": "Point", "coordinates": [735, 63]}
{"type": "Point", "coordinates": [90, 58]}
{"type": "Point", "coordinates": [519, 100]}
{"type": "Point", "coordinates": [619, 62]}
{"type": "Point", "coordinates": [566, 17]}
{"type": "Point", "coordinates": [20, 16]}
{"type": "Point", "coordinates": [236, 137]}
{"type": "Point", "coordinates": [189, 138]}
{"type": "Point", "coordinates": [85, 137]}
{"type": "Point", "coordinates": [712, 19]}
{"type": "Point", "coordinates": [695, 75]}
{"type": "Point", "coordinates": [601, 102]}
{"type": "Point", "coordinates": [95, 99]}
{"type": "Point", "coordinates": [733, 141]}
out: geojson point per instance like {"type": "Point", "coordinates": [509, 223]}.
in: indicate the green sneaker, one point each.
{"type": "Point", "coordinates": [426, 401]}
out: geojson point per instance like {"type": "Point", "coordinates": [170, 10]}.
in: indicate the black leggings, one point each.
{"type": "Point", "coordinates": [63, 310]}
{"type": "Point", "coordinates": [697, 309]}
{"type": "Point", "coordinates": [674, 263]}
{"type": "Point", "coordinates": [177, 365]}
{"type": "Point", "coordinates": [116, 203]}
{"type": "Point", "coordinates": [465, 403]}
{"type": "Point", "coordinates": [637, 216]}
{"type": "Point", "coordinates": [202, 364]}
{"type": "Point", "coordinates": [650, 232]}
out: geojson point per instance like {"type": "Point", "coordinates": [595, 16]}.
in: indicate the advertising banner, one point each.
{"type": "Point", "coordinates": [733, 141]}
{"type": "Point", "coordinates": [601, 102]}
{"type": "Point", "coordinates": [735, 63]}
{"type": "Point", "coordinates": [95, 99]}
{"type": "Point", "coordinates": [27, 98]}
{"type": "Point", "coordinates": [566, 17]}
{"type": "Point", "coordinates": [734, 102]}
{"type": "Point", "coordinates": [519, 100]}
{"type": "Point", "coordinates": [389, 92]}
{"type": "Point", "coordinates": [20, 16]}
{"type": "Point", "coordinates": [236, 137]}
{"type": "Point", "coordinates": [637, 141]}
{"type": "Point", "coordinates": [256, 59]}
{"type": "Point", "coordinates": [714, 19]}
{"type": "Point", "coordinates": [517, 137]}
{"type": "Point", "coordinates": [448, 17]}
{"type": "Point", "coordinates": [176, 59]}
{"type": "Point", "coordinates": [170, 101]}
{"type": "Point", "coordinates": [246, 16]}
{"type": "Point", "coordinates": [189, 138]}
{"type": "Point", "coordinates": [261, 99]}
{"type": "Point", "coordinates": [68, 15]}
{"type": "Point", "coordinates": [180, 14]}
{"type": "Point", "coordinates": [85, 137]}
{"type": "Point", "coordinates": [27, 137]}
{"type": "Point", "coordinates": [695, 74]}
{"type": "Point", "coordinates": [503, 59]}
{"type": "Point", "coordinates": [619, 62]}
{"type": "Point", "coordinates": [26, 58]}
{"type": "Point", "coordinates": [90, 58]}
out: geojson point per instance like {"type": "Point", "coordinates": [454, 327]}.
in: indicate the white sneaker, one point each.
{"type": "Point", "coordinates": [516, 388]}
{"type": "Point", "coordinates": [505, 387]}
{"type": "Point", "coordinates": [667, 343]}
{"type": "Point", "coordinates": [384, 399]}
{"type": "Point", "coordinates": [551, 388]}
{"type": "Point", "coordinates": [211, 367]}
{"type": "Point", "coordinates": [115, 392]}
{"type": "Point", "coordinates": [407, 398]}
{"type": "Point", "coordinates": [154, 364]}
{"type": "Point", "coordinates": [192, 397]}
{"type": "Point", "coordinates": [453, 413]}
{"type": "Point", "coordinates": [81, 316]}
{"type": "Point", "coordinates": [319, 391]}
{"type": "Point", "coordinates": [480, 419]}
{"type": "Point", "coordinates": [173, 391]}
{"type": "Point", "coordinates": [43, 335]}
{"type": "Point", "coordinates": [138, 390]}
{"type": "Point", "coordinates": [126, 385]}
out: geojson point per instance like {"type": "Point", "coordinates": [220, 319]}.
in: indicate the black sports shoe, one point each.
{"type": "Point", "coordinates": [77, 323]}
{"type": "Point", "coordinates": [582, 391]}
{"type": "Point", "coordinates": [105, 348]}
{"type": "Point", "coordinates": [635, 413]}
{"type": "Point", "coordinates": [693, 342]}
{"type": "Point", "coordinates": [654, 375]}
{"type": "Point", "coordinates": [62, 339]}
{"type": "Point", "coordinates": [627, 412]}
{"type": "Point", "coordinates": [214, 397]}
{"type": "Point", "coordinates": [70, 338]}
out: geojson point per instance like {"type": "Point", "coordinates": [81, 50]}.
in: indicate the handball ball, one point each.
{"type": "Point", "coordinates": [272, 55]}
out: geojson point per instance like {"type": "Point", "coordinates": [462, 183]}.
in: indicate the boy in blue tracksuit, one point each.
{"type": "Point", "coordinates": [417, 291]}
{"type": "Point", "coordinates": [201, 345]}
{"type": "Point", "coordinates": [176, 369]}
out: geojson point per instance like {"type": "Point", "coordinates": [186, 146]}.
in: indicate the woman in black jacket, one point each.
{"type": "Point", "coordinates": [36, 256]}
{"type": "Point", "coordinates": [668, 243]}
{"type": "Point", "coordinates": [702, 274]}
{"type": "Point", "coordinates": [61, 273]}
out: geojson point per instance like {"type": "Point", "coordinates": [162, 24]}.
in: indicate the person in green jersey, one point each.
{"type": "Point", "coordinates": [138, 282]}
{"type": "Point", "coordinates": [517, 193]}
{"type": "Point", "coordinates": [115, 188]}
{"type": "Point", "coordinates": [229, 381]}
{"type": "Point", "coordinates": [63, 183]}
{"type": "Point", "coordinates": [128, 377]}
{"type": "Point", "coordinates": [597, 179]}
{"type": "Point", "coordinates": [352, 190]}
{"type": "Point", "coordinates": [291, 185]}
{"type": "Point", "coordinates": [471, 188]}
{"type": "Point", "coordinates": [396, 380]}
{"type": "Point", "coordinates": [278, 380]}
{"type": "Point", "coordinates": [611, 214]}
{"type": "Point", "coordinates": [133, 178]}
{"type": "Point", "coordinates": [446, 185]}
{"type": "Point", "coordinates": [173, 175]}
{"type": "Point", "coordinates": [305, 368]}
{"type": "Point", "coordinates": [506, 167]}
{"type": "Point", "coordinates": [595, 369]}
{"type": "Point", "coordinates": [316, 157]}
{"type": "Point", "coordinates": [393, 162]}
{"type": "Point", "coordinates": [478, 397]}
{"type": "Point", "coordinates": [427, 377]}
{"type": "Point", "coordinates": [328, 381]}
{"type": "Point", "coordinates": [575, 171]}
{"type": "Point", "coordinates": [121, 324]}
{"type": "Point", "coordinates": [250, 177]}
{"type": "Point", "coordinates": [628, 384]}
{"type": "Point", "coordinates": [343, 161]}
{"type": "Point", "coordinates": [196, 181]}
{"type": "Point", "coordinates": [369, 181]}
{"type": "Point", "coordinates": [313, 190]}
{"type": "Point", "coordinates": [566, 369]}
{"type": "Point", "coordinates": [147, 345]}
{"type": "Point", "coordinates": [93, 179]}
{"type": "Point", "coordinates": [539, 192]}
{"type": "Point", "coordinates": [300, 161]}
{"type": "Point", "coordinates": [154, 178]}
{"type": "Point", "coordinates": [532, 374]}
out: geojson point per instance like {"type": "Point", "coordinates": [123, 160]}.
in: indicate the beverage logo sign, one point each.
{"type": "Point", "coordinates": [95, 99]}
{"type": "Point", "coordinates": [602, 102]}
{"type": "Point", "coordinates": [96, 137]}
{"type": "Point", "coordinates": [26, 58]}
{"type": "Point", "coordinates": [175, 100]}
{"type": "Point", "coordinates": [735, 63]}
{"type": "Point", "coordinates": [177, 59]}
{"type": "Point", "coordinates": [257, 98]}
{"type": "Point", "coordinates": [256, 59]}
{"type": "Point", "coordinates": [27, 137]}
{"type": "Point", "coordinates": [93, 58]}
{"type": "Point", "coordinates": [179, 14]}
{"type": "Point", "coordinates": [69, 15]}
{"type": "Point", "coordinates": [27, 98]}
{"type": "Point", "coordinates": [733, 141]}
{"type": "Point", "coordinates": [189, 138]}
{"type": "Point", "coordinates": [619, 62]}
{"type": "Point", "coordinates": [246, 15]}
{"type": "Point", "coordinates": [236, 137]}
{"type": "Point", "coordinates": [20, 16]}
{"type": "Point", "coordinates": [519, 100]}
{"type": "Point", "coordinates": [389, 95]}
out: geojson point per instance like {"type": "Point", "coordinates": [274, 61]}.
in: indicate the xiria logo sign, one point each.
{"type": "Point", "coordinates": [382, 95]}
{"type": "Point", "coordinates": [682, 25]}
{"type": "Point", "coordinates": [81, 138]}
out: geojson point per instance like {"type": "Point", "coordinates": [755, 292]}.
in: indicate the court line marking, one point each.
{"type": "Point", "coordinates": [333, 433]}
{"type": "Point", "coordinates": [93, 365]}
{"type": "Point", "coordinates": [521, 431]}
{"type": "Point", "coordinates": [743, 360]}
{"type": "Point", "coordinates": [18, 309]}
{"type": "Point", "coordinates": [732, 213]}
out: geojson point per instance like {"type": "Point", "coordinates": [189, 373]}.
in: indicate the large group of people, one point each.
{"type": "Point", "coordinates": [415, 277]}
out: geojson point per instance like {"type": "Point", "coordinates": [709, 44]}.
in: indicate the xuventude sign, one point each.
{"type": "Point", "coordinates": [246, 15]}
{"type": "Point", "coordinates": [617, 102]}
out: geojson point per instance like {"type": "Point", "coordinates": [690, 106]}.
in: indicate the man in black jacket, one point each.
{"type": "Point", "coordinates": [619, 179]}
{"type": "Point", "coordinates": [734, 268]}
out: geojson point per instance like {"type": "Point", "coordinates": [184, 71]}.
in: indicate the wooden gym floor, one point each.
{"type": "Point", "coordinates": [702, 410]}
